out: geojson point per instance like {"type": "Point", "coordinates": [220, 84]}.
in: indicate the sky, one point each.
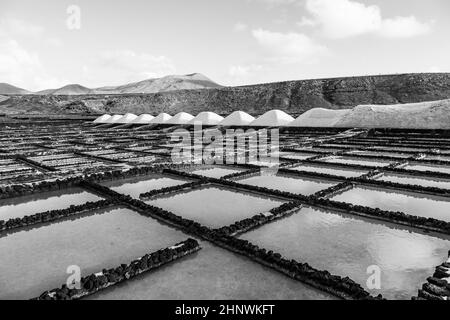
{"type": "Point", "coordinates": [233, 42]}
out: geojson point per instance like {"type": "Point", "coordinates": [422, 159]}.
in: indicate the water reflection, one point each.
{"type": "Point", "coordinates": [35, 261]}
{"type": "Point", "coordinates": [36, 203]}
{"type": "Point", "coordinates": [334, 171]}
{"type": "Point", "coordinates": [216, 172]}
{"type": "Point", "coordinates": [215, 206]}
{"type": "Point", "coordinates": [346, 246]}
{"type": "Point", "coordinates": [421, 181]}
{"type": "Point", "coordinates": [349, 160]}
{"type": "Point", "coordinates": [212, 273]}
{"type": "Point", "coordinates": [305, 186]}
{"type": "Point", "coordinates": [135, 186]}
{"type": "Point", "coordinates": [407, 202]}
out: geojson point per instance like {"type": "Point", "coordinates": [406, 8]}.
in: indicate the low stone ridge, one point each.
{"type": "Point", "coordinates": [107, 278]}
{"type": "Point", "coordinates": [437, 286]}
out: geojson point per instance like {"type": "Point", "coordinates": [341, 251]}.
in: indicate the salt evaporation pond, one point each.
{"type": "Point", "coordinates": [299, 185]}
{"type": "Point", "coordinates": [137, 185]}
{"type": "Point", "coordinates": [408, 202]}
{"type": "Point", "coordinates": [210, 274]}
{"type": "Point", "coordinates": [421, 181]}
{"type": "Point", "coordinates": [347, 246]}
{"type": "Point", "coordinates": [438, 157]}
{"type": "Point", "coordinates": [296, 155]}
{"type": "Point", "coordinates": [363, 162]}
{"type": "Point", "coordinates": [36, 260]}
{"type": "Point", "coordinates": [435, 168]}
{"type": "Point", "coordinates": [215, 206]}
{"type": "Point", "coordinates": [342, 172]}
{"type": "Point", "coordinates": [380, 153]}
{"type": "Point", "coordinates": [216, 172]}
{"type": "Point", "coordinates": [31, 204]}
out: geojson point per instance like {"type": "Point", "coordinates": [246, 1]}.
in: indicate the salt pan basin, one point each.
{"type": "Point", "coordinates": [357, 161]}
{"type": "Point", "coordinates": [212, 273]}
{"type": "Point", "coordinates": [408, 202]}
{"type": "Point", "coordinates": [348, 246]}
{"type": "Point", "coordinates": [305, 186]}
{"type": "Point", "coordinates": [215, 206]}
{"type": "Point", "coordinates": [421, 181]}
{"type": "Point", "coordinates": [216, 172]}
{"type": "Point", "coordinates": [137, 185]}
{"type": "Point", "coordinates": [36, 260]}
{"type": "Point", "coordinates": [428, 167]}
{"type": "Point", "coordinates": [341, 172]}
{"type": "Point", "coordinates": [40, 202]}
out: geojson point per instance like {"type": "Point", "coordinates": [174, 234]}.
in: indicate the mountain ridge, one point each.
{"type": "Point", "coordinates": [153, 85]}
{"type": "Point", "coordinates": [293, 97]}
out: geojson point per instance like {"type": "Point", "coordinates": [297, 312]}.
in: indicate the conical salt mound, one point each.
{"type": "Point", "coordinates": [180, 118]}
{"type": "Point", "coordinates": [273, 118]}
{"type": "Point", "coordinates": [127, 118]}
{"type": "Point", "coordinates": [102, 119]}
{"type": "Point", "coordinates": [237, 118]}
{"type": "Point", "coordinates": [319, 117]}
{"type": "Point", "coordinates": [161, 118]}
{"type": "Point", "coordinates": [114, 118]}
{"type": "Point", "coordinates": [143, 119]}
{"type": "Point", "coordinates": [207, 119]}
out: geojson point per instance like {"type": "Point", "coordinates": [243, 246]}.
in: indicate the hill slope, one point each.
{"type": "Point", "coordinates": [6, 88]}
{"type": "Point", "coordinates": [164, 84]}
{"type": "Point", "coordinates": [168, 83]}
{"type": "Point", "coordinates": [293, 97]}
{"type": "Point", "coordinates": [70, 89]}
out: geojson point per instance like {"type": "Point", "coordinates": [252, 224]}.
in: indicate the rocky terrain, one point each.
{"type": "Point", "coordinates": [293, 97]}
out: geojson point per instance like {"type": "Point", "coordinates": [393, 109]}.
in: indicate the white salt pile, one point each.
{"type": "Point", "coordinates": [207, 119]}
{"type": "Point", "coordinates": [319, 117]}
{"type": "Point", "coordinates": [237, 118]}
{"type": "Point", "coordinates": [273, 118]}
{"type": "Point", "coordinates": [180, 118]}
{"type": "Point", "coordinates": [102, 119]}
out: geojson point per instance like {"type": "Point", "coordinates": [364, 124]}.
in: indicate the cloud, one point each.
{"type": "Point", "coordinates": [15, 27]}
{"type": "Point", "coordinates": [345, 18]}
{"type": "Point", "coordinates": [403, 27]}
{"type": "Point", "coordinates": [289, 47]}
{"type": "Point", "coordinates": [19, 66]}
{"type": "Point", "coordinates": [23, 68]}
{"type": "Point", "coordinates": [135, 66]}
{"type": "Point", "coordinates": [275, 2]}
{"type": "Point", "coordinates": [239, 26]}
{"type": "Point", "coordinates": [244, 71]}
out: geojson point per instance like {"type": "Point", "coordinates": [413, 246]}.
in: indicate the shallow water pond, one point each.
{"type": "Point", "coordinates": [299, 185]}
{"type": "Point", "coordinates": [215, 206]}
{"type": "Point", "coordinates": [380, 153]}
{"type": "Point", "coordinates": [407, 202]}
{"type": "Point", "coordinates": [435, 168]}
{"type": "Point", "coordinates": [36, 260]}
{"type": "Point", "coordinates": [347, 173]}
{"type": "Point", "coordinates": [347, 246]}
{"type": "Point", "coordinates": [212, 273]}
{"type": "Point", "coordinates": [421, 181]}
{"type": "Point", "coordinates": [357, 161]}
{"type": "Point", "coordinates": [137, 185]}
{"type": "Point", "coordinates": [216, 172]}
{"type": "Point", "coordinates": [31, 204]}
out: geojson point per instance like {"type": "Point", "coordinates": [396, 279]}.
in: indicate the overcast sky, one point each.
{"type": "Point", "coordinates": [233, 42]}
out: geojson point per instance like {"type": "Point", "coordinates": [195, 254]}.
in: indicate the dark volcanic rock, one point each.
{"type": "Point", "coordinates": [294, 97]}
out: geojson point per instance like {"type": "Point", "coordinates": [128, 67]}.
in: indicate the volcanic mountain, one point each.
{"type": "Point", "coordinates": [6, 88]}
